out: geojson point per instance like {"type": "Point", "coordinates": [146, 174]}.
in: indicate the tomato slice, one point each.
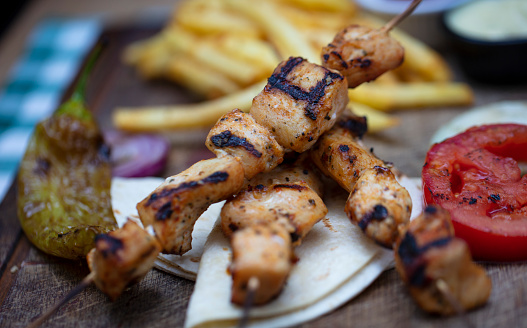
{"type": "Point", "coordinates": [476, 177]}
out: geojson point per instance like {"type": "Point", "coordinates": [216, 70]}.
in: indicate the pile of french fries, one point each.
{"type": "Point", "coordinates": [224, 50]}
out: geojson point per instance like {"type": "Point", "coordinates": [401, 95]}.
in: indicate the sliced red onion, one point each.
{"type": "Point", "coordinates": [137, 155]}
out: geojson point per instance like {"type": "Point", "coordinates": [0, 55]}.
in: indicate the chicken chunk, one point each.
{"type": "Point", "coordinates": [362, 54]}
{"type": "Point", "coordinates": [289, 195]}
{"type": "Point", "coordinates": [378, 204]}
{"type": "Point", "coordinates": [122, 258]}
{"type": "Point", "coordinates": [428, 255]}
{"type": "Point", "coordinates": [237, 134]}
{"type": "Point", "coordinates": [272, 214]}
{"type": "Point", "coordinates": [300, 102]}
{"type": "Point", "coordinates": [174, 206]}
{"type": "Point", "coordinates": [264, 252]}
{"type": "Point", "coordinates": [340, 155]}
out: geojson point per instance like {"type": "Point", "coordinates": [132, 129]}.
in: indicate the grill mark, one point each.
{"type": "Point", "coordinates": [379, 213]}
{"type": "Point", "coordinates": [411, 256]}
{"type": "Point", "coordinates": [216, 177]}
{"type": "Point", "coordinates": [233, 227]}
{"type": "Point", "coordinates": [381, 170]}
{"type": "Point", "coordinates": [279, 81]}
{"type": "Point", "coordinates": [358, 126]}
{"type": "Point", "coordinates": [344, 148]}
{"type": "Point", "coordinates": [361, 63]}
{"type": "Point", "coordinates": [294, 236]}
{"type": "Point", "coordinates": [258, 187]}
{"type": "Point", "coordinates": [164, 212]}
{"type": "Point", "coordinates": [112, 244]}
{"type": "Point", "coordinates": [290, 186]}
{"type": "Point", "coordinates": [227, 139]}
{"type": "Point", "coordinates": [342, 61]}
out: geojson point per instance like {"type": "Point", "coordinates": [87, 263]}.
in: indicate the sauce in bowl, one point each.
{"type": "Point", "coordinates": [490, 20]}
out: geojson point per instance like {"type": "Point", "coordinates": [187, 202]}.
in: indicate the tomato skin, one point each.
{"type": "Point", "coordinates": [473, 176]}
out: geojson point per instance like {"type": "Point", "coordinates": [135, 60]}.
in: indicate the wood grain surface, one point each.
{"type": "Point", "coordinates": [31, 281]}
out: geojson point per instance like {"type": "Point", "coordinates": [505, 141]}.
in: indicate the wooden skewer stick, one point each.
{"type": "Point", "coordinates": [74, 292]}
{"type": "Point", "coordinates": [397, 19]}
{"type": "Point", "coordinates": [252, 286]}
{"type": "Point", "coordinates": [443, 288]}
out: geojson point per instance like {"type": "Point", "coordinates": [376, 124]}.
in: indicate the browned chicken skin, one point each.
{"type": "Point", "coordinates": [122, 258]}
{"type": "Point", "coordinates": [378, 204]}
{"type": "Point", "coordinates": [237, 134]}
{"type": "Point", "coordinates": [427, 254]}
{"type": "Point", "coordinates": [362, 54]}
{"type": "Point", "coordinates": [269, 206]}
{"type": "Point", "coordinates": [173, 208]}
{"type": "Point", "coordinates": [300, 102]}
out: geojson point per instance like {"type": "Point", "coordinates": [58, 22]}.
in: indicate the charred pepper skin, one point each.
{"type": "Point", "coordinates": [64, 180]}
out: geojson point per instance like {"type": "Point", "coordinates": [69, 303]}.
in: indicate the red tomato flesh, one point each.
{"type": "Point", "coordinates": [476, 177]}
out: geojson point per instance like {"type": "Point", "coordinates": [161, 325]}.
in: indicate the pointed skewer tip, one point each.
{"type": "Point", "coordinates": [252, 285]}
{"type": "Point", "coordinates": [74, 292]}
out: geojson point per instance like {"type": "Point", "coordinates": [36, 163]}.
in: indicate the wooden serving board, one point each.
{"type": "Point", "coordinates": [31, 281]}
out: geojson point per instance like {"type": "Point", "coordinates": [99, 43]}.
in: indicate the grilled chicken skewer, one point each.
{"type": "Point", "coordinates": [437, 267]}
{"type": "Point", "coordinates": [377, 203]}
{"type": "Point", "coordinates": [244, 149]}
{"type": "Point", "coordinates": [300, 102]}
{"type": "Point", "coordinates": [272, 214]}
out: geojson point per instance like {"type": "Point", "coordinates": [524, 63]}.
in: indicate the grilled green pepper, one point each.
{"type": "Point", "coordinates": [64, 180]}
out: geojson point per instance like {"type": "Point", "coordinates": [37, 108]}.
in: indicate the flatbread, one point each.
{"type": "Point", "coordinates": [336, 262]}
{"type": "Point", "coordinates": [127, 192]}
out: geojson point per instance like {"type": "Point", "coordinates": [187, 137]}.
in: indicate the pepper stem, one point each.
{"type": "Point", "coordinates": [76, 104]}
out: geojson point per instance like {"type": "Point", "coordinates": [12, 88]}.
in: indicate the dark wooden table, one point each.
{"type": "Point", "coordinates": [31, 281]}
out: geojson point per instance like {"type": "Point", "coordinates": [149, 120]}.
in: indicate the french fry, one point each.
{"type": "Point", "coordinates": [135, 50]}
{"type": "Point", "coordinates": [388, 78]}
{"type": "Point", "coordinates": [203, 114]}
{"type": "Point", "coordinates": [282, 33]}
{"type": "Point", "coordinates": [412, 95]}
{"type": "Point", "coordinates": [152, 63]}
{"type": "Point", "coordinates": [303, 19]}
{"type": "Point", "coordinates": [204, 51]}
{"type": "Point", "coordinates": [213, 17]}
{"type": "Point", "coordinates": [423, 59]}
{"type": "Point", "coordinates": [317, 37]}
{"type": "Point", "coordinates": [338, 6]}
{"type": "Point", "coordinates": [251, 50]}
{"type": "Point", "coordinates": [198, 78]}
{"type": "Point", "coordinates": [377, 120]}
{"type": "Point", "coordinates": [407, 75]}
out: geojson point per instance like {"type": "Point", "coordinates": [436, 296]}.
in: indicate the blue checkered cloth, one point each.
{"type": "Point", "coordinates": [51, 59]}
